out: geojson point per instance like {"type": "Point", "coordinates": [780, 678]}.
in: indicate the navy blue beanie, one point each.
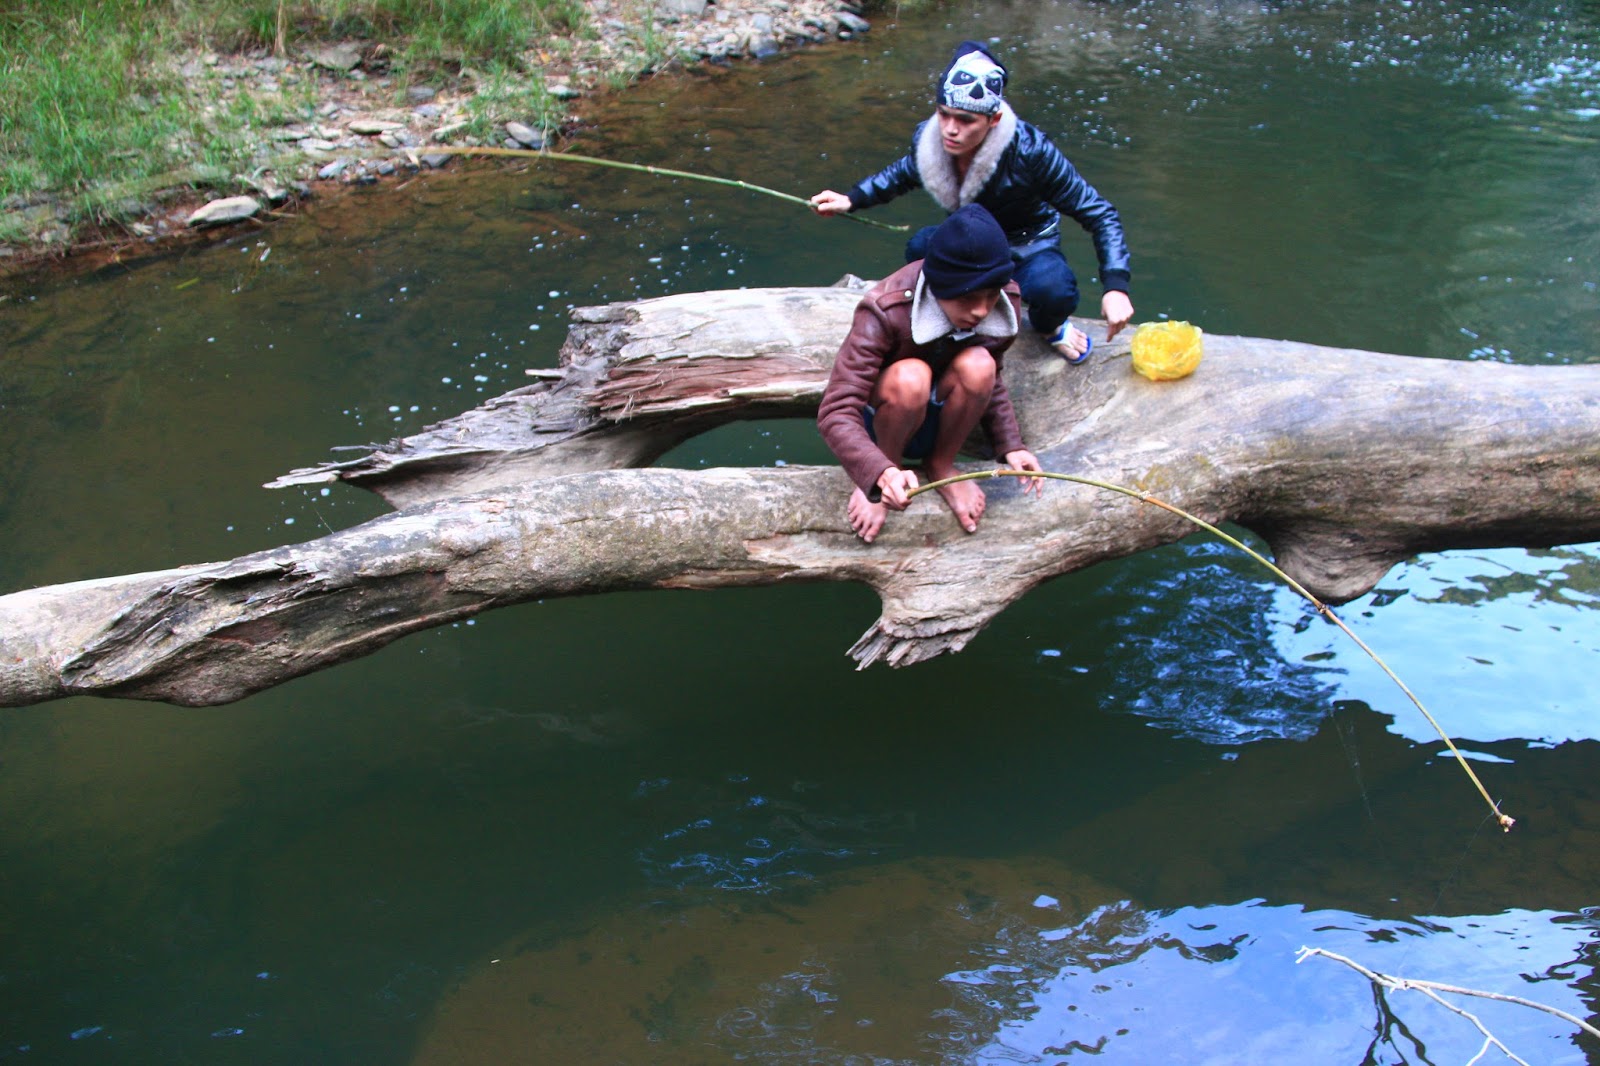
{"type": "Point", "coordinates": [966, 253]}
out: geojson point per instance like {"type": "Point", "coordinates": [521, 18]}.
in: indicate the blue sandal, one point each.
{"type": "Point", "coordinates": [1059, 338]}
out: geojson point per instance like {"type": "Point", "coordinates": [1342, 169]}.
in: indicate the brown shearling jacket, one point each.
{"type": "Point", "coordinates": [879, 335]}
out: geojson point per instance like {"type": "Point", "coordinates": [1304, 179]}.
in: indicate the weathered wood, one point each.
{"type": "Point", "coordinates": [1346, 462]}
{"type": "Point", "coordinates": [636, 379]}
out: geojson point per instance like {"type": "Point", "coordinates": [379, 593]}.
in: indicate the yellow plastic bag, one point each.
{"type": "Point", "coordinates": [1166, 351]}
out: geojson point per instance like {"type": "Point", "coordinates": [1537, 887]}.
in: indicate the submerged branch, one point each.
{"type": "Point", "coordinates": [1431, 989]}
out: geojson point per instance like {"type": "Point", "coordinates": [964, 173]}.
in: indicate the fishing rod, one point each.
{"type": "Point", "coordinates": [1505, 821]}
{"type": "Point", "coordinates": [644, 168]}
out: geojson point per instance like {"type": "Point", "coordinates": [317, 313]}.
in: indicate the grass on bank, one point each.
{"type": "Point", "coordinates": [95, 113]}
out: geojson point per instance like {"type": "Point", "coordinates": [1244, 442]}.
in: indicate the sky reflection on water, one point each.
{"type": "Point", "coordinates": [973, 962]}
{"type": "Point", "coordinates": [1138, 995]}
{"type": "Point", "coordinates": [1501, 644]}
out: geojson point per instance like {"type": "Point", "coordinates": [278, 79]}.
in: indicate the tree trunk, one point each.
{"type": "Point", "coordinates": [1344, 461]}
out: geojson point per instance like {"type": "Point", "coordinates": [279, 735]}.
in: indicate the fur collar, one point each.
{"type": "Point", "coordinates": [929, 323]}
{"type": "Point", "coordinates": [938, 170]}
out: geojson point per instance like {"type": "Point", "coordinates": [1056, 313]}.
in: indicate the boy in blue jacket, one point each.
{"type": "Point", "coordinates": [976, 150]}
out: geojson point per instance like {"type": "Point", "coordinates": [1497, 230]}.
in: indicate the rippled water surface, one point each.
{"type": "Point", "coordinates": [677, 827]}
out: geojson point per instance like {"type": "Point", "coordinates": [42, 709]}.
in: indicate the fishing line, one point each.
{"type": "Point", "coordinates": [1505, 821]}
{"type": "Point", "coordinates": [1455, 872]}
{"type": "Point", "coordinates": [1352, 756]}
{"type": "Point", "coordinates": [318, 512]}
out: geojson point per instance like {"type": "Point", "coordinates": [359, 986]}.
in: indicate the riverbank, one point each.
{"type": "Point", "coordinates": [324, 115]}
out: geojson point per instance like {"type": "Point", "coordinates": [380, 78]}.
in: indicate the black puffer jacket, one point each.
{"type": "Point", "coordinates": [1023, 180]}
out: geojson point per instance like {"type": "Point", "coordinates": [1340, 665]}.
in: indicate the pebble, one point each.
{"type": "Point", "coordinates": [341, 59]}
{"type": "Point", "coordinates": [524, 136]}
{"type": "Point", "coordinates": [221, 212]}
{"type": "Point", "coordinates": [372, 126]}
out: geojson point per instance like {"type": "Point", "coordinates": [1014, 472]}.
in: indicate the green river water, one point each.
{"type": "Point", "coordinates": [678, 827]}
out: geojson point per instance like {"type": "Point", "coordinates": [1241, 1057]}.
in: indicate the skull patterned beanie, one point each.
{"type": "Point", "coordinates": [966, 253]}
{"type": "Point", "coordinates": [974, 80]}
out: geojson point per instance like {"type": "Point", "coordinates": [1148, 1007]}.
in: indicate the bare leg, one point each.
{"type": "Point", "coordinates": [965, 388]}
{"type": "Point", "coordinates": [901, 400]}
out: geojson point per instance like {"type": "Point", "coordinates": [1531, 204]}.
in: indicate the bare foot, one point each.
{"type": "Point", "coordinates": [866, 517]}
{"type": "Point", "coordinates": [965, 498]}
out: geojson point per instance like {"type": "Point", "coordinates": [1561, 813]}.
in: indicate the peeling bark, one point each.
{"type": "Point", "coordinates": [636, 379]}
{"type": "Point", "coordinates": [1344, 461]}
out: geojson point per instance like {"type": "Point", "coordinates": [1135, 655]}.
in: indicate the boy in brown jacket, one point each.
{"type": "Point", "coordinates": [920, 369]}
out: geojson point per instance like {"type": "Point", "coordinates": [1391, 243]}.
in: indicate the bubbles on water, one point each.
{"type": "Point", "coordinates": [740, 838]}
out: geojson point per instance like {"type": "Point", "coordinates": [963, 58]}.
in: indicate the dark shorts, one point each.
{"type": "Point", "coordinates": [921, 442]}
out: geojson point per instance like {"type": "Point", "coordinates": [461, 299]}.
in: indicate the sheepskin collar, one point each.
{"type": "Point", "coordinates": [938, 170]}
{"type": "Point", "coordinates": [929, 322]}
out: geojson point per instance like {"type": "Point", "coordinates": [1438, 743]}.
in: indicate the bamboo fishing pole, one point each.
{"type": "Point", "coordinates": [1505, 821]}
{"type": "Point", "coordinates": [644, 168]}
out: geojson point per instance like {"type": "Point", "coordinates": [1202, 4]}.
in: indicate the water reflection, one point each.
{"type": "Point", "coordinates": [943, 960]}
{"type": "Point", "coordinates": [1521, 625]}
{"type": "Point", "coordinates": [1190, 633]}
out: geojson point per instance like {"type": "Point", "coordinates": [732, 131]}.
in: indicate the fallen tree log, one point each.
{"type": "Point", "coordinates": [1344, 461]}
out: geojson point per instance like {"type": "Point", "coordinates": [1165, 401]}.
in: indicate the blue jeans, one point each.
{"type": "Point", "coordinates": [1049, 287]}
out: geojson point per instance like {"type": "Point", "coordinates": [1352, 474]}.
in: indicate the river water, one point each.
{"type": "Point", "coordinates": [677, 827]}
